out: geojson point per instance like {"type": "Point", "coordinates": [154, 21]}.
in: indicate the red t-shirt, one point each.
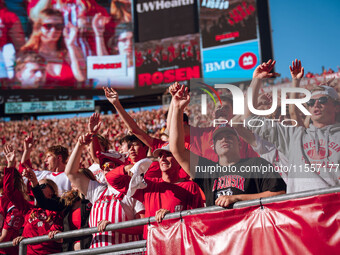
{"type": "Point", "coordinates": [12, 220]}
{"type": "Point", "coordinates": [158, 194]}
{"type": "Point", "coordinates": [202, 144]}
{"type": "Point", "coordinates": [64, 79]}
{"type": "Point", "coordinates": [154, 171]}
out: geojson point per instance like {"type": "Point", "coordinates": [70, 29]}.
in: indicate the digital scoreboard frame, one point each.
{"type": "Point", "coordinates": [159, 43]}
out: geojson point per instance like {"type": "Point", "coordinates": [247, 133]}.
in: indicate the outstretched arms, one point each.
{"type": "Point", "coordinates": [76, 56]}
{"type": "Point", "coordinates": [261, 72]}
{"type": "Point", "coordinates": [297, 72]}
{"type": "Point", "coordinates": [98, 25]}
{"type": "Point", "coordinates": [93, 128]}
{"type": "Point", "coordinates": [71, 170]}
{"type": "Point", "coordinates": [112, 96]}
{"type": "Point", "coordinates": [176, 139]}
{"type": "Point", "coordinates": [28, 147]}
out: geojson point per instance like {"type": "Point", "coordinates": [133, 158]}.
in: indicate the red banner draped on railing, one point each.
{"type": "Point", "coordinates": [301, 226]}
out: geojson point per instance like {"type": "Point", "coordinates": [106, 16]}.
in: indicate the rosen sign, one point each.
{"type": "Point", "coordinates": [106, 67]}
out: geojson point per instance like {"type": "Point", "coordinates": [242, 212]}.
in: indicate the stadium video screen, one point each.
{"type": "Point", "coordinates": [140, 45]}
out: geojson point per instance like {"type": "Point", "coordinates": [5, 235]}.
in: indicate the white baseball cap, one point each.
{"type": "Point", "coordinates": [328, 91]}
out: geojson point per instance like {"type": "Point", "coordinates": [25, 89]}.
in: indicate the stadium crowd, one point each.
{"type": "Point", "coordinates": [59, 175]}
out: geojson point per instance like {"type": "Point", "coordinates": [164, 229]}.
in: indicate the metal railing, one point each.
{"type": "Point", "coordinates": [141, 245]}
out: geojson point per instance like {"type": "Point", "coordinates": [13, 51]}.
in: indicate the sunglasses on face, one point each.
{"type": "Point", "coordinates": [49, 26]}
{"type": "Point", "coordinates": [322, 100]}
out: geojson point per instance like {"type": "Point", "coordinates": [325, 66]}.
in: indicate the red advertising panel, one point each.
{"type": "Point", "coordinates": [301, 226]}
{"type": "Point", "coordinates": [223, 22]}
{"type": "Point", "coordinates": [162, 62]}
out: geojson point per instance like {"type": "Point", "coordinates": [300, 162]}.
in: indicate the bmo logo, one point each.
{"type": "Point", "coordinates": [221, 65]}
{"type": "Point", "coordinates": [247, 60]}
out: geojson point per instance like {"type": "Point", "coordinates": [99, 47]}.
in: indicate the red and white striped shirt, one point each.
{"type": "Point", "coordinates": [111, 205]}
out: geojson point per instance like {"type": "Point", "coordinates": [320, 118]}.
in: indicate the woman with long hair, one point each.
{"type": "Point", "coordinates": [38, 221]}
{"type": "Point", "coordinates": [72, 204]}
{"type": "Point", "coordinates": [80, 14]}
{"type": "Point", "coordinates": [56, 43]}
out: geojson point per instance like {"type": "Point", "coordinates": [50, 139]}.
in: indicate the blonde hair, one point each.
{"type": "Point", "coordinates": [34, 42]}
{"type": "Point", "coordinates": [70, 197]}
{"type": "Point", "coordinates": [121, 10]}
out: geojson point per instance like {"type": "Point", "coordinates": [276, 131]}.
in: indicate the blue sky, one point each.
{"type": "Point", "coordinates": [308, 30]}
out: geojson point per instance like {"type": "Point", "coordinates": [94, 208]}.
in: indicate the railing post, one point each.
{"type": "Point", "coordinates": [22, 248]}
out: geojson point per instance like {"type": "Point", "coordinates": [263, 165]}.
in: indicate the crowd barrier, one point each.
{"type": "Point", "coordinates": [140, 246]}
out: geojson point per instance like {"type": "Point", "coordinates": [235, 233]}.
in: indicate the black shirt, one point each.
{"type": "Point", "coordinates": [248, 176]}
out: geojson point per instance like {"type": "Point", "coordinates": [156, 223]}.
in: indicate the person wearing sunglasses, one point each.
{"type": "Point", "coordinates": [56, 43]}
{"type": "Point", "coordinates": [322, 100]}
{"type": "Point", "coordinates": [313, 152]}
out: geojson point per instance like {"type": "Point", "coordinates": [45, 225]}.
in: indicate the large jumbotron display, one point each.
{"type": "Point", "coordinates": [137, 47]}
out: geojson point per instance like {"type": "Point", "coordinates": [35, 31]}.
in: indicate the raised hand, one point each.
{"type": "Point", "coordinates": [182, 98]}
{"type": "Point", "coordinates": [174, 88]}
{"type": "Point", "coordinates": [29, 142]}
{"type": "Point", "coordinates": [265, 99]}
{"type": "Point", "coordinates": [10, 155]}
{"type": "Point", "coordinates": [98, 24]}
{"type": "Point", "coordinates": [296, 70]}
{"type": "Point", "coordinates": [264, 70]}
{"type": "Point", "coordinates": [70, 34]}
{"type": "Point", "coordinates": [111, 95]}
{"type": "Point", "coordinates": [94, 123]}
{"type": "Point", "coordinates": [30, 175]}
{"type": "Point", "coordinates": [85, 139]}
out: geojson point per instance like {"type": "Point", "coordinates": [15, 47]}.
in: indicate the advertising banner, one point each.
{"type": "Point", "coordinates": [106, 67]}
{"type": "Point", "coordinates": [224, 22]}
{"type": "Point", "coordinates": [300, 226]}
{"type": "Point", "coordinates": [234, 61]}
{"type": "Point", "coordinates": [162, 62]}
